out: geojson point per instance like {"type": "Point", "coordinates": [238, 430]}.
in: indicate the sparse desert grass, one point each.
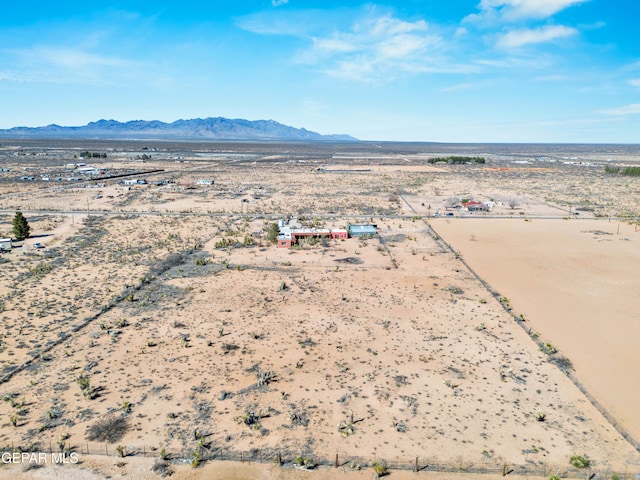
{"type": "Point", "coordinates": [215, 340]}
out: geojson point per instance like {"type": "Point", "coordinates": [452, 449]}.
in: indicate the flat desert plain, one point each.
{"type": "Point", "coordinates": [576, 282]}
{"type": "Point", "coordinates": [161, 323]}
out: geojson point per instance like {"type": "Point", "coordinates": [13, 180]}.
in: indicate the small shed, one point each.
{"type": "Point", "coordinates": [362, 230]}
{"type": "Point", "coordinates": [5, 245]}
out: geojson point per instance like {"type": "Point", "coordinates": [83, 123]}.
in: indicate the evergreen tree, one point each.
{"type": "Point", "coordinates": [21, 228]}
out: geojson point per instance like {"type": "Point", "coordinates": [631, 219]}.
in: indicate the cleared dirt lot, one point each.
{"type": "Point", "coordinates": [576, 283]}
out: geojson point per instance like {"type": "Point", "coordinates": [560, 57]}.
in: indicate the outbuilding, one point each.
{"type": "Point", "coordinates": [5, 245]}
{"type": "Point", "coordinates": [362, 230]}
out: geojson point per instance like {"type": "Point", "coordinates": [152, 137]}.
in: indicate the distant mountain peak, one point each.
{"type": "Point", "coordinates": [210, 128]}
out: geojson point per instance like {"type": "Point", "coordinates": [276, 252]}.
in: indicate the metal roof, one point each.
{"type": "Point", "coordinates": [362, 229]}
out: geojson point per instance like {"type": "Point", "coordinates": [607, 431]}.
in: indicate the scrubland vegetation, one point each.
{"type": "Point", "coordinates": [164, 320]}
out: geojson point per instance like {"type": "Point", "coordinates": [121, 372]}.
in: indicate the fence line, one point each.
{"type": "Point", "coordinates": [286, 459]}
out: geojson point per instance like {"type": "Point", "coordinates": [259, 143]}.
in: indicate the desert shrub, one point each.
{"type": "Point", "coordinates": [250, 419]}
{"type": "Point", "coordinates": [345, 428]}
{"type": "Point", "coordinates": [162, 468]}
{"type": "Point", "coordinates": [85, 386]}
{"type": "Point", "coordinates": [579, 461]}
{"type": "Point", "coordinates": [380, 467]}
{"type": "Point", "coordinates": [305, 461]}
{"type": "Point", "coordinates": [229, 347]}
{"type": "Point", "coordinates": [548, 348]}
{"type": "Point", "coordinates": [265, 377]}
{"type": "Point", "coordinates": [225, 243]}
{"type": "Point", "coordinates": [108, 429]}
{"type": "Point", "coordinates": [248, 241]}
{"type": "Point", "coordinates": [196, 459]}
{"type": "Point", "coordinates": [562, 362]}
{"type": "Point", "coordinates": [41, 269]}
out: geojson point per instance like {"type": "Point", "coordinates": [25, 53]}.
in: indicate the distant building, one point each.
{"type": "Point", "coordinates": [362, 230]}
{"type": "Point", "coordinates": [134, 181]}
{"type": "Point", "coordinates": [88, 170]}
{"type": "Point", "coordinates": [475, 206]}
{"type": "Point", "coordinates": [204, 181]}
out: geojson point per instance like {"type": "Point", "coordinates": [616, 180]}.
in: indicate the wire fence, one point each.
{"type": "Point", "coordinates": [287, 459]}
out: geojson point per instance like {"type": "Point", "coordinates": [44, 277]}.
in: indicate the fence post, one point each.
{"type": "Point", "coordinates": [87, 448]}
{"type": "Point", "coordinates": [504, 470]}
{"type": "Point", "coordinates": [417, 469]}
{"type": "Point", "coordinates": [336, 460]}
{"type": "Point", "coordinates": [106, 449]}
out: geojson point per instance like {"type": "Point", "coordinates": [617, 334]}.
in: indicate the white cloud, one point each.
{"type": "Point", "coordinates": [511, 10]}
{"type": "Point", "coordinates": [67, 66]}
{"type": "Point", "coordinates": [277, 3]}
{"type": "Point", "coordinates": [631, 109]}
{"type": "Point", "coordinates": [518, 38]}
{"type": "Point", "coordinates": [366, 44]}
{"type": "Point", "coordinates": [378, 47]}
{"type": "Point", "coordinates": [70, 58]}
{"type": "Point", "coordinates": [297, 23]}
{"type": "Point", "coordinates": [635, 82]}
{"type": "Point", "coordinates": [552, 78]}
{"type": "Point", "coordinates": [458, 87]}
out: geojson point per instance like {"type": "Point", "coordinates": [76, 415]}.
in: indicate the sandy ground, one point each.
{"type": "Point", "coordinates": [575, 283]}
{"type": "Point", "coordinates": [209, 340]}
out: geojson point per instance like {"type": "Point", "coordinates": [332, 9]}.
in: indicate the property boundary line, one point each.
{"type": "Point", "coordinates": [605, 413]}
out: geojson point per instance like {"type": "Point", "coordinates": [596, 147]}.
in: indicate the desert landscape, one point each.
{"type": "Point", "coordinates": [489, 327]}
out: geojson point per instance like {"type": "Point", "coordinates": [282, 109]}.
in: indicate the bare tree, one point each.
{"type": "Point", "coordinates": [450, 202]}
{"type": "Point", "coordinates": [513, 203]}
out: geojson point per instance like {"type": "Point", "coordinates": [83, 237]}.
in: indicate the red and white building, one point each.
{"type": "Point", "coordinates": [289, 236]}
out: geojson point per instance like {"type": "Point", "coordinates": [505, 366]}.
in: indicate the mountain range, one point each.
{"type": "Point", "coordinates": [212, 128]}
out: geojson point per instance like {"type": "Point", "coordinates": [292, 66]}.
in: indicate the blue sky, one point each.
{"type": "Point", "coordinates": [418, 70]}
